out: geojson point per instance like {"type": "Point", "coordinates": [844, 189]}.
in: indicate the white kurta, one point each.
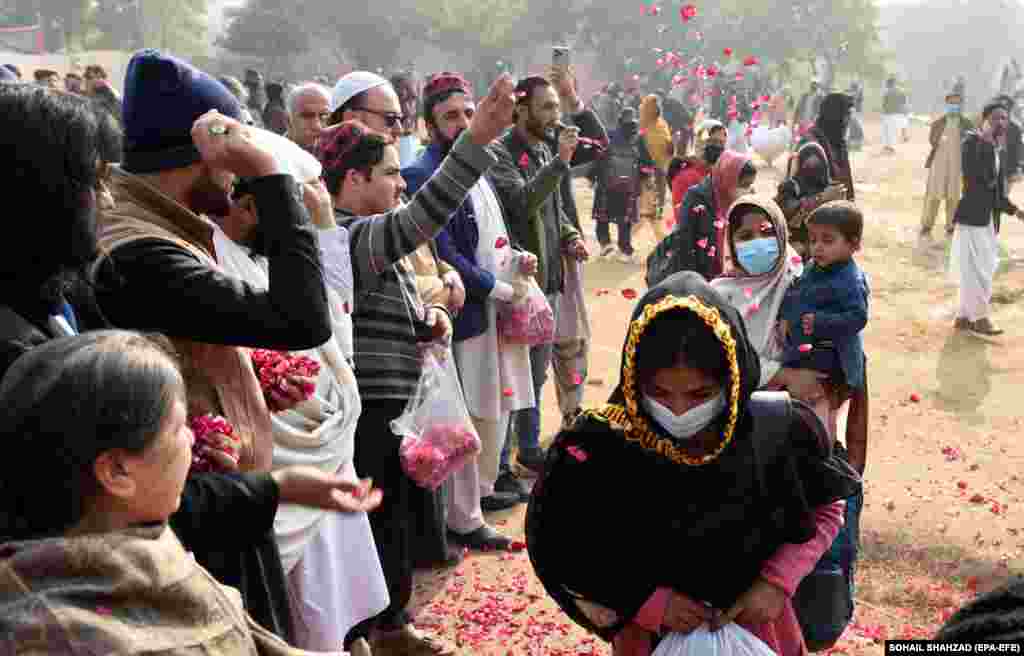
{"type": "Point", "coordinates": [974, 259]}
{"type": "Point", "coordinates": [496, 376]}
{"type": "Point", "coordinates": [335, 577]}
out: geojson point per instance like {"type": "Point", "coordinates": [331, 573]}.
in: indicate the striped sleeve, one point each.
{"type": "Point", "coordinates": [380, 241]}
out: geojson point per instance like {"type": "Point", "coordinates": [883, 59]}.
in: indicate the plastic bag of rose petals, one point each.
{"type": "Point", "coordinates": [437, 433]}
{"type": "Point", "coordinates": [531, 322]}
{"type": "Point", "coordinates": [730, 640]}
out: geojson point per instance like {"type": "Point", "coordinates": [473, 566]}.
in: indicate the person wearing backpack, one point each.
{"type": "Point", "coordinates": [731, 495]}
{"type": "Point", "coordinates": [618, 186]}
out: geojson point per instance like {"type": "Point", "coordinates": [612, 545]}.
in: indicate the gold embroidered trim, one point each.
{"type": "Point", "coordinates": [635, 425]}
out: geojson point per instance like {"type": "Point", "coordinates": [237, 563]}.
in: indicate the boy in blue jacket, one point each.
{"type": "Point", "coordinates": [824, 312]}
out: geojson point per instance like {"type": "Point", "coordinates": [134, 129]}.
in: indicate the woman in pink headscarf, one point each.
{"type": "Point", "coordinates": [702, 220]}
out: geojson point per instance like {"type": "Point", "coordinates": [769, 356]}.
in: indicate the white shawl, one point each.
{"type": "Point", "coordinates": [759, 298]}
{"type": "Point", "coordinates": [496, 377]}
{"type": "Point", "coordinates": [319, 432]}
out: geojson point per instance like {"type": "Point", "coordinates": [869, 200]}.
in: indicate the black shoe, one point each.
{"type": "Point", "coordinates": [484, 538]}
{"type": "Point", "coordinates": [499, 501]}
{"type": "Point", "coordinates": [509, 484]}
{"type": "Point", "coordinates": [984, 327]}
{"type": "Point", "coordinates": [961, 324]}
{"type": "Point", "coordinates": [532, 459]}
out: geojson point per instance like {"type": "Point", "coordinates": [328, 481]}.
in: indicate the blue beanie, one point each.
{"type": "Point", "coordinates": [6, 75]}
{"type": "Point", "coordinates": [163, 97]}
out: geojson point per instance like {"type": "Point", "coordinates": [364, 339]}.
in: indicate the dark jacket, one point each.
{"type": "Point", "coordinates": [935, 135]}
{"type": "Point", "coordinates": [225, 520]}
{"type": "Point", "coordinates": [984, 198]}
{"type": "Point", "coordinates": [838, 161]}
{"type": "Point", "coordinates": [457, 244]}
{"type": "Point", "coordinates": [590, 127]}
{"type": "Point", "coordinates": [695, 223]}
{"type": "Point", "coordinates": [1013, 150]}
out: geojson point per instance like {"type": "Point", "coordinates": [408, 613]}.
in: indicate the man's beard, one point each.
{"type": "Point", "coordinates": [206, 197]}
{"type": "Point", "coordinates": [446, 143]}
{"type": "Point", "coordinates": [536, 128]}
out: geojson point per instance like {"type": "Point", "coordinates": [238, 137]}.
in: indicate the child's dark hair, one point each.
{"type": "Point", "coordinates": [716, 128]}
{"type": "Point", "coordinates": [842, 214]}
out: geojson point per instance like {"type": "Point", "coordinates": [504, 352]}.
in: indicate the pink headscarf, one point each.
{"type": "Point", "coordinates": [725, 175]}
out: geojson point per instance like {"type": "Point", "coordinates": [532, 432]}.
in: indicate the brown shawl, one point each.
{"type": "Point", "coordinates": [127, 592]}
{"type": "Point", "coordinates": [220, 379]}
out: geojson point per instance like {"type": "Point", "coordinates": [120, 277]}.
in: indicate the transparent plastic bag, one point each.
{"type": "Point", "coordinates": [437, 433]}
{"type": "Point", "coordinates": [531, 322]}
{"type": "Point", "coordinates": [731, 640]}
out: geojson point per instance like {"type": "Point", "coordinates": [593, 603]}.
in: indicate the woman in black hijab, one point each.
{"type": "Point", "coordinates": [829, 132]}
{"type": "Point", "coordinates": [713, 484]}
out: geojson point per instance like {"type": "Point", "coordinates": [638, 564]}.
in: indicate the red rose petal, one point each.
{"type": "Point", "coordinates": [577, 379]}
{"type": "Point", "coordinates": [915, 397]}
{"type": "Point", "coordinates": [507, 392]}
{"type": "Point", "coordinates": [500, 242]}
{"type": "Point", "coordinates": [727, 52]}
{"type": "Point", "coordinates": [962, 485]}
{"type": "Point", "coordinates": [524, 161]}
{"type": "Point", "coordinates": [603, 291]}
{"type": "Point", "coordinates": [712, 251]}
{"type": "Point", "coordinates": [796, 259]}
{"type": "Point", "coordinates": [629, 293]}
{"type": "Point", "coordinates": [577, 453]}
{"type": "Point", "coordinates": [517, 545]}
{"type": "Point", "coordinates": [703, 243]}
{"type": "Point", "coordinates": [748, 292]}
{"type": "Point", "coordinates": [804, 348]}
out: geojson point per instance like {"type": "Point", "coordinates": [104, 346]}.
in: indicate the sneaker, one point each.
{"type": "Point", "coordinates": [499, 501]}
{"type": "Point", "coordinates": [509, 484]}
{"type": "Point", "coordinates": [409, 641]}
{"type": "Point", "coordinates": [484, 538]}
{"type": "Point", "coordinates": [984, 327]}
{"type": "Point", "coordinates": [532, 459]}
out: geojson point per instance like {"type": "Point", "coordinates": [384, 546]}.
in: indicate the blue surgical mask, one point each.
{"type": "Point", "coordinates": [758, 256]}
{"type": "Point", "coordinates": [952, 108]}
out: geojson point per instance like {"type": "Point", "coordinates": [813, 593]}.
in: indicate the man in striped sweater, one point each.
{"type": "Point", "coordinates": [362, 173]}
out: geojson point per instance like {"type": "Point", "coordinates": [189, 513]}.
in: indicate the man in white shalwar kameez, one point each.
{"type": "Point", "coordinates": [975, 251]}
{"type": "Point", "coordinates": [335, 579]}
{"type": "Point", "coordinates": [496, 376]}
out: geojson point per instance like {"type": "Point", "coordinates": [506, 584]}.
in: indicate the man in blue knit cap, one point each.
{"type": "Point", "coordinates": [184, 147]}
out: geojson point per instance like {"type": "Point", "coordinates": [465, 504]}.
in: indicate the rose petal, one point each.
{"type": "Point", "coordinates": [915, 397]}
{"type": "Point", "coordinates": [712, 251]}
{"type": "Point", "coordinates": [719, 223]}
{"type": "Point", "coordinates": [703, 243]}
{"type": "Point", "coordinates": [748, 292]}
{"type": "Point", "coordinates": [500, 242]}
{"type": "Point", "coordinates": [103, 610]}
{"type": "Point", "coordinates": [629, 293]}
{"type": "Point", "coordinates": [507, 392]}
{"type": "Point", "coordinates": [524, 161]}
{"type": "Point", "coordinates": [577, 379]}
{"type": "Point", "coordinates": [603, 291]}
{"type": "Point", "coordinates": [962, 485]}
{"type": "Point", "coordinates": [727, 52]}
{"type": "Point", "coordinates": [578, 453]}
{"type": "Point", "coordinates": [796, 259]}
{"type": "Point", "coordinates": [804, 348]}
{"type": "Point", "coordinates": [517, 545]}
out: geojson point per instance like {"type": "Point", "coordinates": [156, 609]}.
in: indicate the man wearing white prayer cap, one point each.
{"type": "Point", "coordinates": [369, 98]}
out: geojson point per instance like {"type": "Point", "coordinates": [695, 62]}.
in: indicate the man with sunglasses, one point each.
{"type": "Point", "coordinates": [307, 114]}
{"type": "Point", "coordinates": [369, 98]}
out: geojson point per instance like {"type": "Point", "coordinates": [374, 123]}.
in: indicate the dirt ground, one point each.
{"type": "Point", "coordinates": [943, 516]}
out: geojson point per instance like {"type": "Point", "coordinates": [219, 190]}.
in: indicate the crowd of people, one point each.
{"type": "Point", "coordinates": [227, 320]}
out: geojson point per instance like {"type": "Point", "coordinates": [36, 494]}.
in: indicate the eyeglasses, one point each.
{"type": "Point", "coordinates": [391, 119]}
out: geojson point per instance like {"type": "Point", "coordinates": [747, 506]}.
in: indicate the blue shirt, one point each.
{"type": "Point", "coordinates": [837, 296]}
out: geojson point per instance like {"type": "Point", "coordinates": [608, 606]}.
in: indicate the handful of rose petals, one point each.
{"type": "Point", "coordinates": [274, 369]}
{"type": "Point", "coordinates": [443, 448]}
{"type": "Point", "coordinates": [216, 448]}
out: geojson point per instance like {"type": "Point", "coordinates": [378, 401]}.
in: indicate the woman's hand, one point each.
{"type": "Point", "coordinates": [309, 486]}
{"type": "Point", "coordinates": [762, 603]}
{"type": "Point", "coordinates": [804, 384]}
{"type": "Point", "coordinates": [527, 264]}
{"type": "Point", "coordinates": [683, 614]}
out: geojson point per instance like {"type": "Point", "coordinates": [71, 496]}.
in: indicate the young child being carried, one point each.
{"type": "Point", "coordinates": [825, 310]}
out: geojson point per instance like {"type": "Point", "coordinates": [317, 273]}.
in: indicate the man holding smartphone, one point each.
{"type": "Point", "coordinates": [535, 189]}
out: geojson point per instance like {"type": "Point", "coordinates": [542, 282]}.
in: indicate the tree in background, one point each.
{"type": "Point", "coordinates": [266, 30]}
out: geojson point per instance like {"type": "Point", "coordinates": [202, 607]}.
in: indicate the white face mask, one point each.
{"type": "Point", "coordinates": [690, 422]}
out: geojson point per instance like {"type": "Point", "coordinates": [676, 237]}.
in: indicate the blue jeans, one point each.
{"type": "Point", "coordinates": [525, 424]}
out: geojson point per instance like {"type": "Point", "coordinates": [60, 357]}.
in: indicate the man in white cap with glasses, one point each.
{"type": "Point", "coordinates": [369, 98]}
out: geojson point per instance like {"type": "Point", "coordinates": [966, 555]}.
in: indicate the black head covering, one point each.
{"type": "Point", "coordinates": [700, 525]}
{"type": "Point", "coordinates": [834, 118]}
{"type": "Point", "coordinates": [673, 294]}
{"type": "Point", "coordinates": [997, 615]}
